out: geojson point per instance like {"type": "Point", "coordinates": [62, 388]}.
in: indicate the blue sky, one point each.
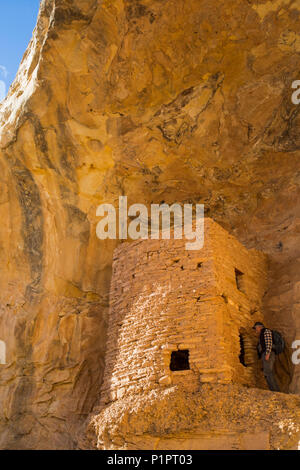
{"type": "Point", "coordinates": [17, 21]}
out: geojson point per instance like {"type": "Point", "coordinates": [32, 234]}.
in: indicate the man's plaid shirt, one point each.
{"type": "Point", "coordinates": [268, 340]}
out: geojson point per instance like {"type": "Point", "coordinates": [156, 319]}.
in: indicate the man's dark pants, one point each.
{"type": "Point", "coordinates": [268, 368]}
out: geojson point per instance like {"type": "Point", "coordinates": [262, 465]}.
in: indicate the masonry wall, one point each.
{"type": "Point", "coordinates": [242, 295]}
{"type": "Point", "coordinates": [164, 299]}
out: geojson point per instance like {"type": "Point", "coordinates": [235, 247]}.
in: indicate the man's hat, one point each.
{"type": "Point", "coordinates": [258, 323]}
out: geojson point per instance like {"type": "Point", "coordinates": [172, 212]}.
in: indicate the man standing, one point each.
{"type": "Point", "coordinates": [268, 355]}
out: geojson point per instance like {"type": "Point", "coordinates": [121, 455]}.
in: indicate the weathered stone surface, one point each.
{"type": "Point", "coordinates": [186, 101]}
{"type": "Point", "coordinates": [216, 417]}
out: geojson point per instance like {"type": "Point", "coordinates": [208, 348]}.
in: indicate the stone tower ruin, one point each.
{"type": "Point", "coordinates": [183, 317]}
{"type": "Point", "coordinates": [181, 368]}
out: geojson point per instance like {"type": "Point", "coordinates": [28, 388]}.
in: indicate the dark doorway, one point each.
{"type": "Point", "coordinates": [242, 351]}
{"type": "Point", "coordinates": [180, 360]}
{"type": "Point", "coordinates": [240, 280]}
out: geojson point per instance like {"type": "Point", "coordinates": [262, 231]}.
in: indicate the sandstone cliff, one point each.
{"type": "Point", "coordinates": [186, 101]}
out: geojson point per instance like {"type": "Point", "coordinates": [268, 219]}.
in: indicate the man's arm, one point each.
{"type": "Point", "coordinates": [268, 342]}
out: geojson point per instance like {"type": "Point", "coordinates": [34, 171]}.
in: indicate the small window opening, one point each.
{"type": "Point", "coordinates": [182, 268]}
{"type": "Point", "coordinates": [240, 280]}
{"type": "Point", "coordinates": [225, 298]}
{"type": "Point", "coordinates": [242, 351]}
{"type": "Point", "coordinates": [180, 360]}
{"type": "Point", "coordinates": [199, 265]}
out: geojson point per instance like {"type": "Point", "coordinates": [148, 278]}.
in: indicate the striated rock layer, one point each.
{"type": "Point", "coordinates": [175, 101]}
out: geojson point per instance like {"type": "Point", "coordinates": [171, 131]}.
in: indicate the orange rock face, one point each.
{"type": "Point", "coordinates": [169, 101]}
